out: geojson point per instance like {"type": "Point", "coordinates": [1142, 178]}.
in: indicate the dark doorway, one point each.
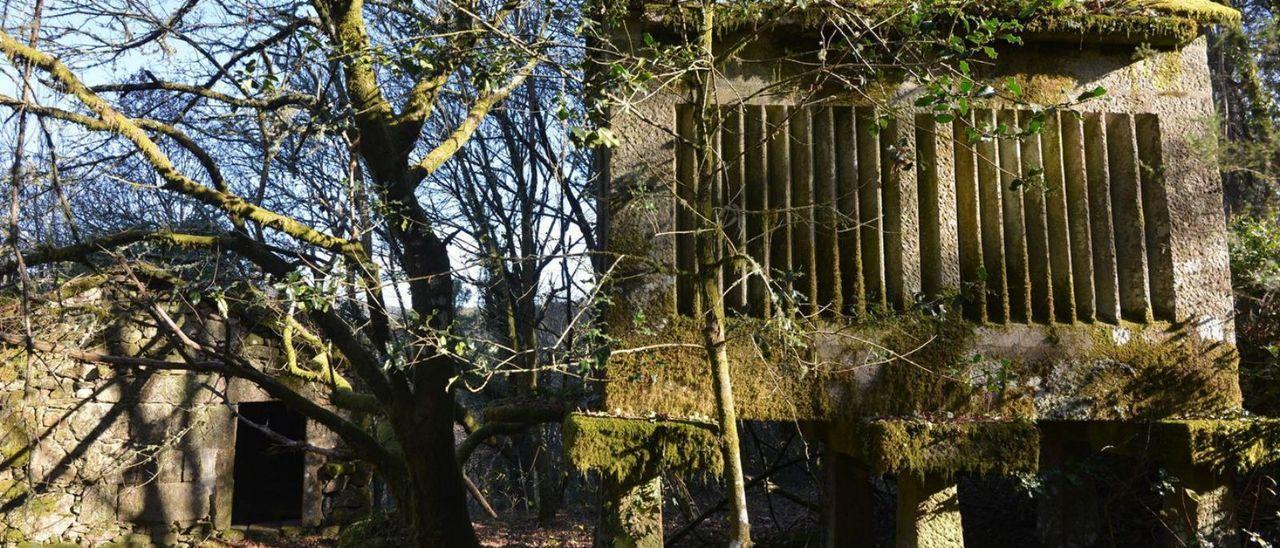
{"type": "Point", "coordinates": [268, 478]}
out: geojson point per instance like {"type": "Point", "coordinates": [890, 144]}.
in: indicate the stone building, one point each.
{"type": "Point", "coordinates": [91, 456]}
{"type": "Point", "coordinates": [990, 306]}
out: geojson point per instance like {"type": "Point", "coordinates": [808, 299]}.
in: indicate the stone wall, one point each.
{"type": "Point", "coordinates": [89, 454]}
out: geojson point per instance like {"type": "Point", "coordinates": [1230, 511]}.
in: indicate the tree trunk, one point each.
{"type": "Point", "coordinates": [433, 500]}
{"type": "Point", "coordinates": [707, 244]}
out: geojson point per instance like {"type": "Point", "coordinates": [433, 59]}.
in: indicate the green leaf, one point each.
{"type": "Point", "coordinates": [1093, 93]}
{"type": "Point", "coordinates": [1013, 86]}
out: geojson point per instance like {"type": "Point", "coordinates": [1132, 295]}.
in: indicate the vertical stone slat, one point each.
{"type": "Point", "coordinates": [732, 209]}
{"type": "Point", "coordinates": [990, 219]}
{"type": "Point", "coordinates": [779, 185]}
{"type": "Point", "coordinates": [901, 206]}
{"type": "Point", "coordinates": [968, 222]}
{"type": "Point", "coordinates": [755, 136]}
{"type": "Point", "coordinates": [686, 175]}
{"type": "Point", "coordinates": [930, 211]}
{"type": "Point", "coordinates": [1078, 223]}
{"type": "Point", "coordinates": [870, 221]}
{"type": "Point", "coordinates": [1034, 214]}
{"type": "Point", "coordinates": [826, 229]}
{"type": "Point", "coordinates": [1128, 218]}
{"type": "Point", "coordinates": [853, 283]}
{"type": "Point", "coordinates": [1155, 210]}
{"type": "Point", "coordinates": [1015, 237]}
{"type": "Point", "coordinates": [935, 173]}
{"type": "Point", "coordinates": [1055, 198]}
{"type": "Point", "coordinates": [803, 257]}
{"type": "Point", "coordinates": [1107, 298]}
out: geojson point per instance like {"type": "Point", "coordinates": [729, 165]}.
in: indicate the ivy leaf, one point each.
{"type": "Point", "coordinates": [1092, 94]}
{"type": "Point", "coordinates": [1014, 87]}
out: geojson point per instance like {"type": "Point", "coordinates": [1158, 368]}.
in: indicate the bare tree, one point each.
{"type": "Point", "coordinates": [303, 142]}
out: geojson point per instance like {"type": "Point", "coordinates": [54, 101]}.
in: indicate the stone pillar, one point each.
{"type": "Point", "coordinates": [1068, 511]}
{"type": "Point", "coordinates": [630, 515]}
{"type": "Point", "coordinates": [1200, 509]}
{"type": "Point", "coordinates": [928, 512]}
{"type": "Point", "coordinates": [849, 519]}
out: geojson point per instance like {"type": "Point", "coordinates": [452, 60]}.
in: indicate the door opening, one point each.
{"type": "Point", "coordinates": [268, 478]}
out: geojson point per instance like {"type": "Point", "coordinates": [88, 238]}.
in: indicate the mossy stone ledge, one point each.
{"type": "Point", "coordinates": [920, 448]}
{"type": "Point", "coordinates": [630, 451]}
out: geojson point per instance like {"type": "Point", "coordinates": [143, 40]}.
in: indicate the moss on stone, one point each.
{"type": "Point", "coordinates": [1149, 21]}
{"type": "Point", "coordinates": [630, 451]}
{"type": "Point", "coordinates": [1204, 11]}
{"type": "Point", "coordinates": [1156, 372]}
{"type": "Point", "coordinates": [1151, 29]}
{"type": "Point", "coordinates": [1222, 444]}
{"type": "Point", "coordinates": [901, 365]}
{"type": "Point", "coordinates": [910, 365]}
{"type": "Point", "coordinates": [945, 448]}
{"type": "Point", "coordinates": [15, 444]}
{"type": "Point", "coordinates": [11, 490]}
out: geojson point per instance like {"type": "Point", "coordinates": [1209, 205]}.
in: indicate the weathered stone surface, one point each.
{"type": "Point", "coordinates": [200, 464]}
{"type": "Point", "coordinates": [1201, 509]}
{"type": "Point", "coordinates": [928, 513]}
{"type": "Point", "coordinates": [45, 517]}
{"type": "Point", "coordinates": [162, 466]}
{"type": "Point", "coordinates": [98, 506]}
{"type": "Point", "coordinates": [631, 515]}
{"type": "Point", "coordinates": [164, 502]}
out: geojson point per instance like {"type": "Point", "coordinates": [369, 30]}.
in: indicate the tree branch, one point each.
{"type": "Point", "coordinates": [175, 180]}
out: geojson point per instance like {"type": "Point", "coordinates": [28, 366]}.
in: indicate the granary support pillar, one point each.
{"type": "Point", "coordinates": [630, 514]}
{"type": "Point", "coordinates": [1068, 507]}
{"type": "Point", "coordinates": [1200, 509]}
{"type": "Point", "coordinates": [928, 512]}
{"type": "Point", "coordinates": [849, 518]}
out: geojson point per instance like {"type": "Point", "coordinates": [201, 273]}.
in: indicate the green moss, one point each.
{"type": "Point", "coordinates": [377, 530]}
{"type": "Point", "coordinates": [15, 444]}
{"type": "Point", "coordinates": [631, 451]}
{"type": "Point", "coordinates": [1149, 21]}
{"type": "Point", "coordinates": [1151, 29]}
{"type": "Point", "coordinates": [941, 448]}
{"type": "Point", "coordinates": [1157, 372]}
{"type": "Point", "coordinates": [11, 490]}
{"type": "Point", "coordinates": [902, 365]}
{"type": "Point", "coordinates": [912, 366]}
{"type": "Point", "coordinates": [1203, 11]}
{"type": "Point", "coordinates": [1222, 444]}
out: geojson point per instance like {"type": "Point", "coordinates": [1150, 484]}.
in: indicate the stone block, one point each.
{"type": "Point", "coordinates": [242, 391]}
{"type": "Point", "coordinates": [200, 465]}
{"type": "Point", "coordinates": [95, 420]}
{"type": "Point", "coordinates": [164, 466]}
{"type": "Point", "coordinates": [43, 517]}
{"type": "Point", "coordinates": [164, 503]}
{"type": "Point", "coordinates": [213, 426]}
{"type": "Point", "coordinates": [98, 506]}
{"type": "Point", "coordinates": [49, 461]}
{"type": "Point", "coordinates": [104, 462]}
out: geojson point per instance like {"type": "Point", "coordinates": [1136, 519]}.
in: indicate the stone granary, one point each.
{"type": "Point", "coordinates": [92, 456]}
{"type": "Point", "coordinates": [970, 306]}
